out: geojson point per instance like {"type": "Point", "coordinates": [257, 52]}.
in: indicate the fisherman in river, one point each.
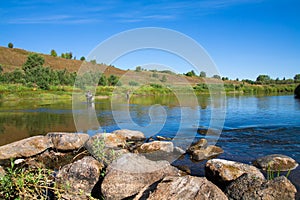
{"type": "Point", "coordinates": [89, 97]}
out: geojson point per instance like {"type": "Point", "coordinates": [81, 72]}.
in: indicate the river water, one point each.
{"type": "Point", "coordinates": [253, 126]}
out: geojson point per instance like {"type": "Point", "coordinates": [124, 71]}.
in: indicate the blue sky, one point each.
{"type": "Point", "coordinates": [245, 38]}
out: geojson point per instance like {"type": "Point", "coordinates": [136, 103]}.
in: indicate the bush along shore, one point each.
{"type": "Point", "coordinates": [126, 165]}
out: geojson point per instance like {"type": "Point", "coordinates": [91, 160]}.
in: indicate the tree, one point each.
{"type": "Point", "coordinates": [82, 58]}
{"type": "Point", "coordinates": [113, 80]}
{"type": "Point", "coordinates": [164, 78]}
{"type": "Point", "coordinates": [53, 53]}
{"type": "Point", "coordinates": [138, 69]}
{"type": "Point", "coordinates": [216, 76]}
{"type": "Point", "coordinates": [33, 60]}
{"type": "Point", "coordinates": [191, 73]}
{"type": "Point", "coordinates": [263, 79]}
{"type": "Point", "coordinates": [1, 69]}
{"type": "Point", "coordinates": [203, 74]}
{"type": "Point", "coordinates": [63, 55]}
{"type": "Point", "coordinates": [297, 78]}
{"type": "Point", "coordinates": [10, 45]}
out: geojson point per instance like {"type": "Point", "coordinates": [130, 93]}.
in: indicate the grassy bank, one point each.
{"type": "Point", "coordinates": [17, 91]}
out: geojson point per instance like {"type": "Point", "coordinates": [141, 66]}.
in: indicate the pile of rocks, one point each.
{"type": "Point", "coordinates": [132, 172]}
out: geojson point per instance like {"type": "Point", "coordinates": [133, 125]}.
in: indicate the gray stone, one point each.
{"type": "Point", "coordinates": [276, 162]}
{"type": "Point", "coordinates": [130, 134]}
{"type": "Point", "coordinates": [131, 173]}
{"type": "Point", "coordinates": [186, 188]}
{"type": "Point", "coordinates": [156, 146]}
{"type": "Point", "coordinates": [248, 187]}
{"type": "Point", "coordinates": [2, 172]}
{"type": "Point", "coordinates": [200, 144]}
{"type": "Point", "coordinates": [67, 141]}
{"type": "Point", "coordinates": [80, 177]}
{"type": "Point", "coordinates": [222, 171]}
{"type": "Point", "coordinates": [206, 153]}
{"type": "Point", "coordinates": [25, 148]}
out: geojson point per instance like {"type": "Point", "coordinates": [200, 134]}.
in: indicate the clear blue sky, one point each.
{"type": "Point", "coordinates": [245, 38]}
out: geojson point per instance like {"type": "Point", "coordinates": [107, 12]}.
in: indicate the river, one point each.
{"type": "Point", "coordinates": [253, 126]}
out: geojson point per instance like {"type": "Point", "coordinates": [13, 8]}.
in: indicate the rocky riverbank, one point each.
{"type": "Point", "coordinates": [121, 165]}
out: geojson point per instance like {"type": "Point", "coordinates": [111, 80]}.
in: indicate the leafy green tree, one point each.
{"type": "Point", "coordinates": [33, 60]}
{"type": "Point", "coordinates": [113, 80]}
{"type": "Point", "coordinates": [1, 69]}
{"type": "Point", "coordinates": [138, 69]}
{"type": "Point", "coordinates": [191, 73]}
{"type": "Point", "coordinates": [10, 45]}
{"type": "Point", "coordinates": [164, 78]}
{"type": "Point", "coordinates": [263, 79]}
{"type": "Point", "coordinates": [297, 78]}
{"type": "Point", "coordinates": [53, 53]}
{"type": "Point", "coordinates": [82, 58]}
{"type": "Point", "coordinates": [202, 74]}
{"type": "Point", "coordinates": [63, 55]}
{"type": "Point", "coordinates": [216, 76]}
{"type": "Point", "coordinates": [102, 80]}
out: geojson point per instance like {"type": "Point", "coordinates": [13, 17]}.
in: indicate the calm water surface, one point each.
{"type": "Point", "coordinates": [254, 126]}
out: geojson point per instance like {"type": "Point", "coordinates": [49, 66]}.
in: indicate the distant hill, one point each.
{"type": "Point", "coordinates": [11, 58]}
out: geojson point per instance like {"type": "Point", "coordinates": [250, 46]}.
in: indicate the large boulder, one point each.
{"type": "Point", "coordinates": [247, 187]}
{"type": "Point", "coordinates": [25, 148]}
{"type": "Point", "coordinates": [130, 173]}
{"type": "Point", "coordinates": [276, 162]}
{"type": "Point", "coordinates": [130, 134]}
{"type": "Point", "coordinates": [186, 188]}
{"type": "Point", "coordinates": [67, 141]}
{"type": "Point", "coordinates": [79, 178]}
{"type": "Point", "coordinates": [221, 171]}
{"type": "Point", "coordinates": [206, 153]}
{"type": "Point", "coordinates": [156, 146]}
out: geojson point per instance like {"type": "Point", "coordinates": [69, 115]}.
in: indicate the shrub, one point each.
{"type": "Point", "coordinates": [10, 45]}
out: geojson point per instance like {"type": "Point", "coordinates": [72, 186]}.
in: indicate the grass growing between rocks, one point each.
{"type": "Point", "coordinates": [271, 174]}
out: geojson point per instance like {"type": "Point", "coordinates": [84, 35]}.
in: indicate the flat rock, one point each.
{"type": "Point", "coordinates": [130, 134]}
{"type": "Point", "coordinates": [222, 171]}
{"type": "Point", "coordinates": [25, 148]}
{"type": "Point", "coordinates": [67, 141]}
{"type": "Point", "coordinates": [186, 188]}
{"type": "Point", "coordinates": [276, 162]}
{"type": "Point", "coordinates": [81, 175]}
{"type": "Point", "coordinates": [206, 153]}
{"type": "Point", "coordinates": [200, 144]}
{"type": "Point", "coordinates": [130, 173]}
{"type": "Point", "coordinates": [247, 187]}
{"type": "Point", "coordinates": [156, 146]}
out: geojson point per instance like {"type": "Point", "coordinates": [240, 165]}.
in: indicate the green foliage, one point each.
{"type": "Point", "coordinates": [1, 69]}
{"type": "Point", "coordinates": [33, 60]}
{"type": "Point", "coordinates": [164, 79]}
{"type": "Point", "coordinates": [53, 53]}
{"type": "Point", "coordinates": [113, 80]}
{"type": "Point", "coordinates": [216, 77]}
{"type": "Point", "coordinates": [191, 73]}
{"type": "Point", "coordinates": [202, 74]}
{"type": "Point", "coordinates": [138, 69]}
{"type": "Point", "coordinates": [102, 80]}
{"type": "Point", "coordinates": [263, 79]}
{"type": "Point", "coordinates": [225, 78]}
{"type": "Point", "coordinates": [10, 45]}
{"type": "Point", "coordinates": [133, 83]}
{"type": "Point", "coordinates": [82, 58]}
{"type": "Point", "coordinates": [93, 62]}
{"type": "Point", "coordinates": [155, 75]}
{"type": "Point", "coordinates": [297, 78]}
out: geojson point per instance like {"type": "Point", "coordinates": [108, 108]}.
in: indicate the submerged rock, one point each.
{"type": "Point", "coordinates": [222, 171]}
{"type": "Point", "coordinates": [25, 148]}
{"type": "Point", "coordinates": [156, 146]}
{"type": "Point", "coordinates": [131, 173]}
{"type": "Point", "coordinates": [248, 187]}
{"type": "Point", "coordinates": [206, 153]}
{"type": "Point", "coordinates": [79, 177]}
{"type": "Point", "coordinates": [130, 134]}
{"type": "Point", "coordinates": [276, 162]}
{"type": "Point", "coordinates": [186, 188]}
{"type": "Point", "coordinates": [67, 141]}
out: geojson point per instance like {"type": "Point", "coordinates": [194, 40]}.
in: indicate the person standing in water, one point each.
{"type": "Point", "coordinates": [89, 97]}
